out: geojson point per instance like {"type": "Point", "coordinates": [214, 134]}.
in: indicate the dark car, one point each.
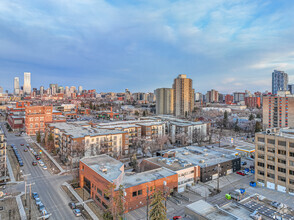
{"type": "Point", "coordinates": [21, 144]}
{"type": "Point", "coordinates": [37, 157]}
{"type": "Point", "coordinates": [244, 163]}
{"type": "Point", "coordinates": [35, 195]}
{"type": "Point", "coordinates": [72, 205]}
{"type": "Point", "coordinates": [34, 163]}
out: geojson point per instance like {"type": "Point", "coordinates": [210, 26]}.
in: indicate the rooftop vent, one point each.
{"type": "Point", "coordinates": [201, 161]}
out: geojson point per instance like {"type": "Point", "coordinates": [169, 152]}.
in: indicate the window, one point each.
{"type": "Point", "coordinates": [291, 172]}
{"type": "Point", "coordinates": [271, 158]}
{"type": "Point", "coordinates": [104, 205]}
{"type": "Point", "coordinates": [291, 154]}
{"type": "Point", "coordinates": [97, 198]}
{"type": "Point", "coordinates": [260, 164]}
{"type": "Point", "coordinates": [135, 194]}
{"type": "Point", "coordinates": [99, 191]}
{"type": "Point", "coordinates": [291, 182]}
{"type": "Point", "coordinates": [260, 147]}
{"type": "Point", "coordinates": [283, 179]}
{"type": "Point", "coordinates": [106, 197]}
{"type": "Point", "coordinates": [291, 163]}
{"type": "Point", "coordinates": [151, 188]}
{"type": "Point", "coordinates": [270, 175]}
{"type": "Point", "coordinates": [140, 192]}
{"type": "Point", "coordinates": [261, 156]}
{"type": "Point", "coordinates": [271, 167]}
{"type": "Point", "coordinates": [271, 150]}
{"type": "Point", "coordinates": [282, 161]}
{"type": "Point", "coordinates": [291, 145]}
{"type": "Point", "coordinates": [282, 143]}
{"type": "Point", "coordinates": [260, 139]}
{"type": "Point", "coordinates": [282, 170]}
{"type": "Point", "coordinates": [282, 152]}
{"type": "Point", "coordinates": [270, 141]}
{"type": "Point", "coordinates": [260, 172]}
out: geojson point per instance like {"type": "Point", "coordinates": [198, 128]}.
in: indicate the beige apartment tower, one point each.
{"type": "Point", "coordinates": [183, 95]}
{"type": "Point", "coordinates": [164, 101]}
{"type": "Point", "coordinates": [278, 111]}
{"type": "Point", "coordinates": [274, 159]}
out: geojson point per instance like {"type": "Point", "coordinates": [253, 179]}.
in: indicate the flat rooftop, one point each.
{"type": "Point", "coordinates": [103, 161]}
{"type": "Point", "coordinates": [200, 156]}
{"type": "Point", "coordinates": [170, 163]}
{"type": "Point", "coordinates": [147, 176]}
{"type": "Point", "coordinates": [82, 129]}
{"type": "Point", "coordinates": [283, 132]}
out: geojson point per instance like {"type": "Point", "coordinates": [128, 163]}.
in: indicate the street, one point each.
{"type": "Point", "coordinates": [45, 184]}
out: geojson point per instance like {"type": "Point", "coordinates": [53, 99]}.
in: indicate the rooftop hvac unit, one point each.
{"type": "Point", "coordinates": [201, 161]}
{"type": "Point", "coordinates": [103, 169]}
{"type": "Point", "coordinates": [205, 150]}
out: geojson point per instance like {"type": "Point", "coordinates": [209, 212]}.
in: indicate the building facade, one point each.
{"type": "Point", "coordinates": [183, 95]}
{"type": "Point", "coordinates": [252, 102]}
{"type": "Point", "coordinates": [274, 159]}
{"type": "Point", "coordinates": [36, 117]}
{"type": "Point", "coordinates": [278, 111]}
{"type": "Point", "coordinates": [279, 81]}
{"type": "Point", "coordinates": [27, 83]}
{"type": "Point", "coordinates": [212, 96]}
{"type": "Point", "coordinates": [16, 86]}
{"type": "Point", "coordinates": [164, 101]}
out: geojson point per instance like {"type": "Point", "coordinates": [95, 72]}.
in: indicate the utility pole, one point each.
{"type": "Point", "coordinates": [218, 169]}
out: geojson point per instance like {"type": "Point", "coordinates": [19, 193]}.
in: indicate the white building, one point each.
{"type": "Point", "coordinates": [27, 83]}
{"type": "Point", "coordinates": [16, 85]}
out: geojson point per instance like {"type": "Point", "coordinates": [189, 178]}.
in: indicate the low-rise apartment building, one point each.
{"type": "Point", "coordinates": [274, 159]}
{"type": "Point", "coordinates": [2, 153]}
{"type": "Point", "coordinates": [77, 139]}
{"type": "Point", "coordinates": [99, 172]}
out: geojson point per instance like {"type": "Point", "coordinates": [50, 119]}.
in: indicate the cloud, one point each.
{"type": "Point", "coordinates": [224, 44]}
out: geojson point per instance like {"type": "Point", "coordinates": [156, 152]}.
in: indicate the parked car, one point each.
{"type": "Point", "coordinates": [35, 195]}
{"type": "Point", "coordinates": [20, 163]}
{"type": "Point", "coordinates": [244, 163]}
{"type": "Point", "coordinates": [45, 214]}
{"type": "Point", "coordinates": [41, 163]}
{"type": "Point", "coordinates": [241, 173]}
{"type": "Point", "coordinates": [41, 207]}
{"type": "Point", "coordinates": [177, 217]}
{"type": "Point", "coordinates": [21, 144]}
{"type": "Point", "coordinates": [34, 163]}
{"type": "Point", "coordinates": [77, 212]}
{"type": "Point", "coordinates": [44, 167]}
{"type": "Point", "coordinates": [38, 158]}
{"type": "Point", "coordinates": [25, 150]}
{"type": "Point", "coordinates": [72, 205]}
{"type": "Point", "coordinates": [38, 201]}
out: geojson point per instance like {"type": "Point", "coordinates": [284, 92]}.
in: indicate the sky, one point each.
{"type": "Point", "coordinates": [110, 45]}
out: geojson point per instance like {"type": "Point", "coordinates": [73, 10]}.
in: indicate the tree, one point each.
{"type": "Point", "coordinates": [50, 142]}
{"type": "Point", "coordinates": [158, 210]}
{"type": "Point", "coordinates": [197, 136]}
{"type": "Point", "coordinates": [225, 121]}
{"type": "Point", "coordinates": [39, 137]}
{"type": "Point", "coordinates": [115, 208]}
{"type": "Point", "coordinates": [137, 113]}
{"type": "Point", "coordinates": [251, 117]}
{"type": "Point", "coordinates": [258, 126]}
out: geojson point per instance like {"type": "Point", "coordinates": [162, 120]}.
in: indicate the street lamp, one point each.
{"type": "Point", "coordinates": [124, 198]}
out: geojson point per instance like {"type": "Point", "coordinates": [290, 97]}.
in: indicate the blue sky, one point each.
{"type": "Point", "coordinates": [228, 45]}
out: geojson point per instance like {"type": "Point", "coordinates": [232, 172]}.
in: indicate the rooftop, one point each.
{"type": "Point", "coordinates": [82, 129]}
{"type": "Point", "coordinates": [200, 156]}
{"type": "Point", "coordinates": [106, 166]}
{"type": "Point", "coordinates": [147, 176]}
{"type": "Point", "coordinates": [283, 132]}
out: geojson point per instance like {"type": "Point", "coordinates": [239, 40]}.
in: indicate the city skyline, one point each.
{"type": "Point", "coordinates": [110, 46]}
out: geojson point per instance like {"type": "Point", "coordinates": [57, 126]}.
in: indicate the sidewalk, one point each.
{"type": "Point", "coordinates": [12, 179]}
{"type": "Point", "coordinates": [49, 156]}
{"type": "Point", "coordinates": [22, 212]}
{"type": "Point", "coordinates": [91, 213]}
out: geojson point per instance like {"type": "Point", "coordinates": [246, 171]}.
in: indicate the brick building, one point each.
{"type": "Point", "coordinates": [229, 99]}
{"type": "Point", "coordinates": [252, 102]}
{"type": "Point", "coordinates": [36, 117]}
{"type": "Point", "coordinates": [98, 172]}
{"type": "Point", "coordinates": [278, 111]}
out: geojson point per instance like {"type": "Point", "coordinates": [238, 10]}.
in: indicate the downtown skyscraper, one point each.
{"type": "Point", "coordinates": [279, 81]}
{"type": "Point", "coordinates": [16, 86]}
{"type": "Point", "coordinates": [27, 83]}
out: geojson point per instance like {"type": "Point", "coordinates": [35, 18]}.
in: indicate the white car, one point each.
{"type": "Point", "coordinates": [41, 163]}
{"type": "Point", "coordinates": [44, 167]}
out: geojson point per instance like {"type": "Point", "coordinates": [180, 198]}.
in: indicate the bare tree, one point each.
{"type": "Point", "coordinates": [197, 136]}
